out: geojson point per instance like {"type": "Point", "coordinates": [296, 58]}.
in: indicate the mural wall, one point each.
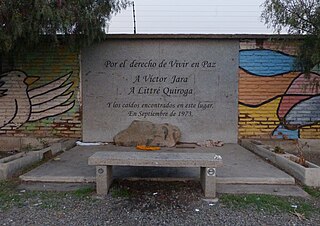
{"type": "Point", "coordinates": [275, 99]}
{"type": "Point", "coordinates": [40, 96]}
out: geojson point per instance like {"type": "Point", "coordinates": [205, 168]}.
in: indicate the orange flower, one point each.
{"type": "Point", "coordinates": [147, 148]}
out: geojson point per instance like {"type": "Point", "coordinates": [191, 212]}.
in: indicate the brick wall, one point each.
{"type": "Point", "coordinates": [41, 95]}
{"type": "Point", "coordinates": [275, 99]}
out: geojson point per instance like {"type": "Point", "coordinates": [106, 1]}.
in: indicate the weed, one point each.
{"type": "Point", "coordinates": [28, 147]}
{"type": "Point", "coordinates": [118, 192]}
{"type": "Point", "coordinates": [43, 142]}
{"type": "Point", "coordinates": [301, 159]}
{"type": "Point", "coordinates": [279, 150]}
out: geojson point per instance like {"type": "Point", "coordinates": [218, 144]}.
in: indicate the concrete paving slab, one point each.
{"type": "Point", "coordinates": [71, 166]}
{"type": "Point", "coordinates": [240, 166]}
{"type": "Point", "coordinates": [54, 186]}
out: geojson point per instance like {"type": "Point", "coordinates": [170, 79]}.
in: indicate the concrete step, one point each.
{"type": "Point", "coordinates": [279, 190]}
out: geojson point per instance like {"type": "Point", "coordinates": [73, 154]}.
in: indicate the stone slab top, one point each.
{"type": "Point", "coordinates": [203, 36]}
{"type": "Point", "coordinates": [156, 158]}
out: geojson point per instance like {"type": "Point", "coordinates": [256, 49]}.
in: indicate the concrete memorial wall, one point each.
{"type": "Point", "coordinates": [190, 83]}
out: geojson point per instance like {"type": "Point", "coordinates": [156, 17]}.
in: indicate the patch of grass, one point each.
{"type": "Point", "coordinates": [8, 185]}
{"type": "Point", "coordinates": [314, 192]}
{"type": "Point", "coordinates": [268, 203]}
{"type": "Point", "coordinates": [7, 188]}
{"type": "Point", "coordinates": [48, 199]}
{"type": "Point", "coordinates": [8, 194]}
{"type": "Point", "coordinates": [83, 192]}
{"type": "Point", "coordinates": [118, 192]}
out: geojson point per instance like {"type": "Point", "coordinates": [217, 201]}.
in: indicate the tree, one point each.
{"type": "Point", "coordinates": [298, 17]}
{"type": "Point", "coordinates": [24, 24]}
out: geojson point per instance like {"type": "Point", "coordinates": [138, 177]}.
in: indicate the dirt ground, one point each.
{"type": "Point", "coordinates": [152, 203]}
{"type": "Point", "coordinates": [310, 148]}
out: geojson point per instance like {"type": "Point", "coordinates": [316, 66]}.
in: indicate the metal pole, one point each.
{"type": "Point", "coordinates": [0, 63]}
{"type": "Point", "coordinates": [134, 20]}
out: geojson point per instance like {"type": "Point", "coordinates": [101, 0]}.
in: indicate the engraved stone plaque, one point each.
{"type": "Point", "coordinates": [190, 83]}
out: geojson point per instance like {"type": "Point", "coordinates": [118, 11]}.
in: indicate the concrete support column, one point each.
{"type": "Point", "coordinates": [103, 179]}
{"type": "Point", "coordinates": [208, 181]}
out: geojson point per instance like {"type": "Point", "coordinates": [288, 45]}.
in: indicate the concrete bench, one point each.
{"type": "Point", "coordinates": [206, 161]}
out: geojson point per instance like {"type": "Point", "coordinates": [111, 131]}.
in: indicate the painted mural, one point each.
{"type": "Point", "coordinates": [40, 94]}
{"type": "Point", "coordinates": [23, 104]}
{"type": "Point", "coordinates": [275, 100]}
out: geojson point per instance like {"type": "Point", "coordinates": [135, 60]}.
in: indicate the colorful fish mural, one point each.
{"type": "Point", "coordinates": [269, 84]}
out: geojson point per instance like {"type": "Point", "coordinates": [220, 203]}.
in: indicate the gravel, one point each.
{"type": "Point", "coordinates": [141, 203]}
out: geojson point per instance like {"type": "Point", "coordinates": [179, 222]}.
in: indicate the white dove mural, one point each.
{"type": "Point", "coordinates": [20, 104]}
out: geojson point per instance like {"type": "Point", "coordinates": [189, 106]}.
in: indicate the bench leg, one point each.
{"type": "Point", "coordinates": [103, 179]}
{"type": "Point", "coordinates": [208, 181]}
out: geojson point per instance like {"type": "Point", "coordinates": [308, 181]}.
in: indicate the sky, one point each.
{"type": "Point", "coordinates": [190, 17]}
